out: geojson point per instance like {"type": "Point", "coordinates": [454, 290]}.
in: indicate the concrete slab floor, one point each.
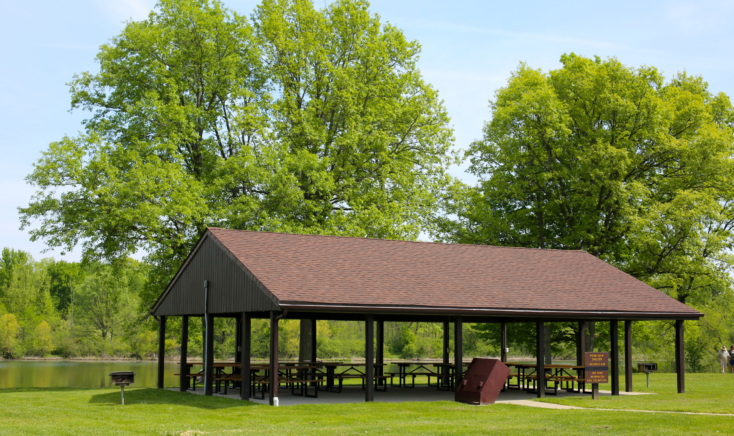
{"type": "Point", "coordinates": [355, 394]}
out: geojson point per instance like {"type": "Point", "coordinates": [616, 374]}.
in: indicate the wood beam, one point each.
{"type": "Point", "coordinates": [245, 353]}
{"type": "Point", "coordinates": [581, 344]}
{"type": "Point", "coordinates": [161, 350]}
{"type": "Point", "coordinates": [209, 355]}
{"type": "Point", "coordinates": [680, 363]}
{"type": "Point", "coordinates": [628, 356]}
{"type": "Point", "coordinates": [369, 355]}
{"type": "Point", "coordinates": [238, 338]}
{"type": "Point", "coordinates": [380, 352]}
{"type": "Point", "coordinates": [273, 357]}
{"type": "Point", "coordinates": [540, 357]}
{"type": "Point", "coordinates": [458, 352]}
{"type": "Point", "coordinates": [503, 341]}
{"type": "Point", "coordinates": [183, 381]}
{"type": "Point", "coordinates": [314, 353]}
{"type": "Point", "coordinates": [614, 339]}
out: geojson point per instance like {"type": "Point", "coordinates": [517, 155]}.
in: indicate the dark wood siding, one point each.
{"type": "Point", "coordinates": [232, 289]}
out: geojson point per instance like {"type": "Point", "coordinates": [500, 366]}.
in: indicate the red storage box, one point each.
{"type": "Point", "coordinates": [482, 382]}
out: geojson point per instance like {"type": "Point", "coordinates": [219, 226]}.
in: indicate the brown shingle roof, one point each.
{"type": "Point", "coordinates": [354, 271]}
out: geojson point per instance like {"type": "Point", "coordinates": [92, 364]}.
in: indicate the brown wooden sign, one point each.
{"type": "Point", "coordinates": [597, 367]}
{"type": "Point", "coordinates": [593, 375]}
{"type": "Point", "coordinates": [597, 359]}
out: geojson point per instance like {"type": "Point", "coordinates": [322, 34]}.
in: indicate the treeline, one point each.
{"type": "Point", "coordinates": [69, 309]}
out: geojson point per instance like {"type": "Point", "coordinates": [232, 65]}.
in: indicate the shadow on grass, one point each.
{"type": "Point", "coordinates": [164, 396]}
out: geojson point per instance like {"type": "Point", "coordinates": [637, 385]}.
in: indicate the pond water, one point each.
{"type": "Point", "coordinates": [75, 374]}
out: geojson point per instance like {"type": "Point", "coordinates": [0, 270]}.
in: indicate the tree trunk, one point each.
{"type": "Point", "coordinates": [304, 350]}
{"type": "Point", "coordinates": [547, 346]}
{"type": "Point", "coordinates": [590, 328]}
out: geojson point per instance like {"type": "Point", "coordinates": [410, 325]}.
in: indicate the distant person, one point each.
{"type": "Point", "coordinates": [731, 359]}
{"type": "Point", "coordinates": [724, 359]}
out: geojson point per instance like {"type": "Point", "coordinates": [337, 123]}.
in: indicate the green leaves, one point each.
{"type": "Point", "coordinates": [303, 120]}
{"type": "Point", "coordinates": [613, 160]}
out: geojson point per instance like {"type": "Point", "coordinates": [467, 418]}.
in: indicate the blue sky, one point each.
{"type": "Point", "coordinates": [469, 50]}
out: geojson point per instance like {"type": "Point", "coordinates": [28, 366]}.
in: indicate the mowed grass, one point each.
{"type": "Point", "coordinates": [161, 412]}
{"type": "Point", "coordinates": [706, 393]}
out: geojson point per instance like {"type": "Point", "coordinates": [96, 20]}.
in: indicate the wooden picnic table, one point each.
{"type": "Point", "coordinates": [558, 373]}
{"type": "Point", "coordinates": [447, 371]}
{"type": "Point", "coordinates": [332, 366]}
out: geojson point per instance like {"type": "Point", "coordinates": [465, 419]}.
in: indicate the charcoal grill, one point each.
{"type": "Point", "coordinates": [122, 379]}
{"type": "Point", "coordinates": [647, 368]}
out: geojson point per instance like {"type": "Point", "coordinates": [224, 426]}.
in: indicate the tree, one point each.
{"type": "Point", "coordinates": [43, 340]}
{"type": "Point", "coordinates": [613, 160]}
{"type": "Point", "coordinates": [107, 301]}
{"type": "Point", "coordinates": [9, 332]}
{"type": "Point", "coordinates": [9, 261]}
{"type": "Point", "coordinates": [63, 277]}
{"type": "Point", "coordinates": [312, 121]}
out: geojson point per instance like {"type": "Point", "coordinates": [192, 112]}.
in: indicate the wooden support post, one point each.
{"type": "Point", "coordinates": [614, 339]}
{"type": "Point", "coordinates": [503, 341]}
{"type": "Point", "coordinates": [446, 352]}
{"type": "Point", "coordinates": [238, 339]}
{"type": "Point", "coordinates": [628, 356]}
{"type": "Point", "coordinates": [314, 354]}
{"type": "Point", "coordinates": [680, 363]}
{"type": "Point", "coordinates": [273, 358]}
{"type": "Point", "coordinates": [183, 381]}
{"type": "Point", "coordinates": [380, 352]}
{"type": "Point", "coordinates": [209, 354]}
{"type": "Point", "coordinates": [245, 352]}
{"type": "Point", "coordinates": [540, 357]}
{"type": "Point", "coordinates": [458, 352]}
{"type": "Point", "coordinates": [581, 344]}
{"type": "Point", "coordinates": [369, 356]}
{"type": "Point", "coordinates": [161, 350]}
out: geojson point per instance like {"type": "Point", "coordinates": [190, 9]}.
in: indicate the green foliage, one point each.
{"type": "Point", "coordinates": [63, 277]}
{"type": "Point", "coordinates": [301, 120]}
{"type": "Point", "coordinates": [609, 159]}
{"type": "Point", "coordinates": [9, 332]}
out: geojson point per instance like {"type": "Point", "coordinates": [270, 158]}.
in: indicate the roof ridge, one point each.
{"type": "Point", "coordinates": [564, 250]}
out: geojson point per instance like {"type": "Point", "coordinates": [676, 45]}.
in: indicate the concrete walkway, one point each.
{"type": "Point", "coordinates": [355, 394]}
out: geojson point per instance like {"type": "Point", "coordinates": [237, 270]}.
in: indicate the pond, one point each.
{"type": "Point", "coordinates": [76, 374]}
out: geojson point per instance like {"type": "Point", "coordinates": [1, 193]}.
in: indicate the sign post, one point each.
{"type": "Point", "coordinates": [596, 371]}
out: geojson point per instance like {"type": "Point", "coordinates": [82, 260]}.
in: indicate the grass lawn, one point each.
{"type": "Point", "coordinates": [157, 412]}
{"type": "Point", "coordinates": [710, 393]}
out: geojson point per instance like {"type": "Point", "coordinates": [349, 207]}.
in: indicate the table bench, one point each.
{"type": "Point", "coordinates": [402, 378]}
{"type": "Point", "coordinates": [363, 377]}
{"type": "Point", "coordinates": [193, 377]}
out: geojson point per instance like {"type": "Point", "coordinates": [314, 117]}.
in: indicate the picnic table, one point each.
{"type": "Point", "coordinates": [447, 373]}
{"type": "Point", "coordinates": [290, 373]}
{"type": "Point", "coordinates": [556, 373]}
{"type": "Point", "coordinates": [350, 372]}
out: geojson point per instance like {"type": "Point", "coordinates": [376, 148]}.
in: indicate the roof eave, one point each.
{"type": "Point", "coordinates": [537, 313]}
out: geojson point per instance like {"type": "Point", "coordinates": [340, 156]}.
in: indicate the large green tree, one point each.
{"type": "Point", "coordinates": [300, 120]}
{"type": "Point", "coordinates": [613, 160]}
